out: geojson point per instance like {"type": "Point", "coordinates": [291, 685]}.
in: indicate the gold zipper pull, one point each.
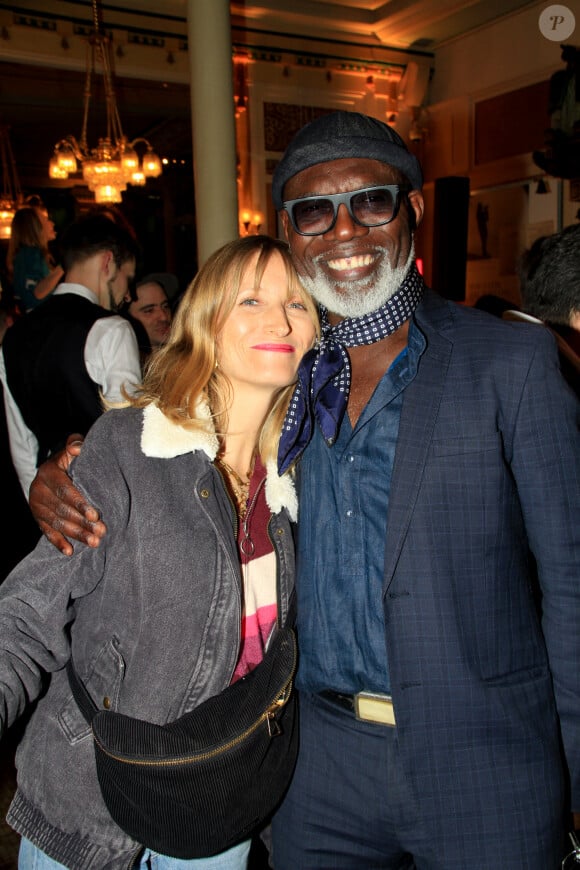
{"type": "Point", "coordinates": [274, 729]}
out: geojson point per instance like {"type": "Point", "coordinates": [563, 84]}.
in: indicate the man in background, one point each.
{"type": "Point", "coordinates": [147, 305]}
{"type": "Point", "coordinates": [61, 361]}
{"type": "Point", "coordinates": [550, 279]}
{"type": "Point", "coordinates": [550, 288]}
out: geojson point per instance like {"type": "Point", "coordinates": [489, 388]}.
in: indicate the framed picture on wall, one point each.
{"type": "Point", "coordinates": [503, 221]}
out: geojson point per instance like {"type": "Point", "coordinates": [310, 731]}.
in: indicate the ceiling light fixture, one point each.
{"type": "Point", "coordinates": [114, 163]}
{"type": "Point", "coordinates": [251, 221]}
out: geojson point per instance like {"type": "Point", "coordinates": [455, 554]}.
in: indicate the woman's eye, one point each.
{"type": "Point", "coordinates": [296, 303]}
{"type": "Point", "coordinates": [249, 301]}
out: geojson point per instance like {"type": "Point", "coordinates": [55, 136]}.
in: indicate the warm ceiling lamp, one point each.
{"type": "Point", "coordinates": [11, 195]}
{"type": "Point", "coordinates": [251, 220]}
{"type": "Point", "coordinates": [114, 163]}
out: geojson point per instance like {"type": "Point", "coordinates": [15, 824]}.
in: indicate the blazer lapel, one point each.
{"type": "Point", "coordinates": [419, 413]}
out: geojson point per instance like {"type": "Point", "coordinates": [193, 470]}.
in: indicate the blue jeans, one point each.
{"type": "Point", "coordinates": [236, 858]}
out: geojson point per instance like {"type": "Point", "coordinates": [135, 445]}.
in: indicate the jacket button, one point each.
{"type": "Point", "coordinates": [204, 493]}
{"type": "Point", "coordinates": [107, 703]}
{"type": "Point", "coordinates": [280, 532]}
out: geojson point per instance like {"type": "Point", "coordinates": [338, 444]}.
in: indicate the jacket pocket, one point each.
{"type": "Point", "coordinates": [469, 444]}
{"type": "Point", "coordinates": [103, 683]}
{"type": "Point", "coordinates": [519, 677]}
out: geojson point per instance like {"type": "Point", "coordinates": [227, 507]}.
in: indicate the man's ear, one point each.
{"type": "Point", "coordinates": [417, 203]}
{"type": "Point", "coordinates": [108, 265]}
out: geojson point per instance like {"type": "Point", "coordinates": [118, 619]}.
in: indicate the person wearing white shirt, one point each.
{"type": "Point", "coordinates": [63, 362]}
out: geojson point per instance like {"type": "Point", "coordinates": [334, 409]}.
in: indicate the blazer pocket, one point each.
{"type": "Point", "coordinates": [103, 682]}
{"type": "Point", "coordinates": [471, 444]}
{"type": "Point", "coordinates": [520, 677]}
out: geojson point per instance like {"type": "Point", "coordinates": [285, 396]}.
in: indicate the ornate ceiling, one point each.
{"type": "Point", "coordinates": [42, 56]}
{"type": "Point", "coordinates": [398, 23]}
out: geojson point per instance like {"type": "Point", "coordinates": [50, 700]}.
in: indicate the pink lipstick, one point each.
{"type": "Point", "coordinates": [277, 348]}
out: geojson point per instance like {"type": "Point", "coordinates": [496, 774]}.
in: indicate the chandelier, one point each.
{"type": "Point", "coordinates": [11, 195]}
{"type": "Point", "coordinates": [115, 162]}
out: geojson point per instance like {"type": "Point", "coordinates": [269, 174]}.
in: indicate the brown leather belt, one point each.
{"type": "Point", "coordinates": [366, 706]}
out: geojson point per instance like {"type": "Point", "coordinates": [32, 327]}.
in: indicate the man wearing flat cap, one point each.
{"type": "Point", "coordinates": [438, 457]}
{"type": "Point", "coordinates": [438, 549]}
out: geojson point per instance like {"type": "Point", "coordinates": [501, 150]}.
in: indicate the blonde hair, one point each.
{"type": "Point", "coordinates": [184, 370]}
{"type": "Point", "coordinates": [26, 231]}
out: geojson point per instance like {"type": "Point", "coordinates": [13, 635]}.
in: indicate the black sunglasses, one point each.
{"type": "Point", "coordinates": [369, 207]}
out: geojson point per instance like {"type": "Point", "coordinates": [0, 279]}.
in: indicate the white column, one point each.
{"type": "Point", "coordinates": [212, 116]}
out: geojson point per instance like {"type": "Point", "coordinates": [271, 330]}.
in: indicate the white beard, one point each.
{"type": "Point", "coordinates": [361, 296]}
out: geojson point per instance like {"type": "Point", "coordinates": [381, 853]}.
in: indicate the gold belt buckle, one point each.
{"type": "Point", "coordinates": [372, 707]}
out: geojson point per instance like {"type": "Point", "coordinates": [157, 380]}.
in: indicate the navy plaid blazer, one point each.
{"type": "Point", "coordinates": [482, 574]}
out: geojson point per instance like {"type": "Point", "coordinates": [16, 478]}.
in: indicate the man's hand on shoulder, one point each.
{"type": "Point", "coordinates": [60, 510]}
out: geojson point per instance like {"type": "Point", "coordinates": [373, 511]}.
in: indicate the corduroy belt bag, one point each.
{"type": "Point", "coordinates": [207, 780]}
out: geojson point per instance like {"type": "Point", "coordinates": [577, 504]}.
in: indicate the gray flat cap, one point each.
{"type": "Point", "coordinates": [344, 134]}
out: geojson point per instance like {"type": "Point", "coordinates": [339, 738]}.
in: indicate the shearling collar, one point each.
{"type": "Point", "coordinates": [163, 439]}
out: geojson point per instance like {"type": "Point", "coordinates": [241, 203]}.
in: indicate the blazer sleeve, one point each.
{"type": "Point", "coordinates": [546, 466]}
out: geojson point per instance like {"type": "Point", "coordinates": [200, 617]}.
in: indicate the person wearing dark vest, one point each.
{"type": "Point", "coordinates": [67, 358]}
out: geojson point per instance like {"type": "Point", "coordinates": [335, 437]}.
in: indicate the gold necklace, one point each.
{"type": "Point", "coordinates": [240, 489]}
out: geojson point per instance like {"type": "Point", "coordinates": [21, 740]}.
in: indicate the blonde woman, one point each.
{"type": "Point", "coordinates": [30, 265]}
{"type": "Point", "coordinates": [197, 566]}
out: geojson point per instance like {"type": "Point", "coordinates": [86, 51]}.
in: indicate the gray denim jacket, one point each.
{"type": "Point", "coordinates": [152, 618]}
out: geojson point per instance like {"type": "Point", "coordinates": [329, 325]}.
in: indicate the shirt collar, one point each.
{"type": "Point", "coordinates": [77, 290]}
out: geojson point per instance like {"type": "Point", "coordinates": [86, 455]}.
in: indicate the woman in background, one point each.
{"type": "Point", "coordinates": [30, 264]}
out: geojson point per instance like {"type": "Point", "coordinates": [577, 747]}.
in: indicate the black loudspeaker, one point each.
{"type": "Point", "coordinates": [450, 236]}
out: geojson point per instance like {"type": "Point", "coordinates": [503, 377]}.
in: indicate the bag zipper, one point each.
{"type": "Point", "coordinates": [268, 716]}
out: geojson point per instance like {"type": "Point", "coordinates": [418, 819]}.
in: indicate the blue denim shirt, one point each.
{"type": "Point", "coordinates": [344, 496]}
